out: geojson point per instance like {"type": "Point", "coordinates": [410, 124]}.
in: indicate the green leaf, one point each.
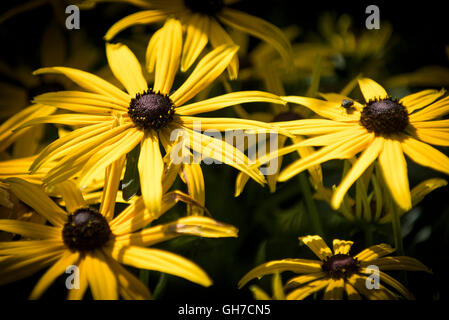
{"type": "Point", "coordinates": [131, 180]}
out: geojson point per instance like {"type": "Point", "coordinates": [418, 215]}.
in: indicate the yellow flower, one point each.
{"type": "Point", "coordinates": [383, 128]}
{"type": "Point", "coordinates": [338, 272]}
{"type": "Point", "coordinates": [114, 121]}
{"type": "Point", "coordinates": [97, 243]}
{"type": "Point", "coordinates": [202, 22]}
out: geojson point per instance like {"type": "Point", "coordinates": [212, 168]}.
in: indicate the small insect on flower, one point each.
{"type": "Point", "coordinates": [347, 104]}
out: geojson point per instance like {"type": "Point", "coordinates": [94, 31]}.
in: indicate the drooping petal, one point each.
{"type": "Point", "coordinates": [394, 169]}
{"type": "Point", "coordinates": [219, 36]}
{"type": "Point", "coordinates": [169, 48]}
{"type": "Point", "coordinates": [68, 258]}
{"type": "Point", "coordinates": [365, 160]}
{"type": "Point", "coordinates": [151, 169]}
{"type": "Point", "coordinates": [397, 263]}
{"type": "Point", "coordinates": [193, 177]}
{"type": "Point", "coordinates": [334, 290]}
{"type": "Point", "coordinates": [88, 81]}
{"type": "Point", "coordinates": [126, 68]}
{"type": "Point", "coordinates": [260, 29]}
{"type": "Point", "coordinates": [163, 261]}
{"type": "Point", "coordinates": [305, 291]}
{"type": "Point", "coordinates": [344, 150]}
{"type": "Point", "coordinates": [82, 102]}
{"type": "Point", "coordinates": [102, 280]}
{"type": "Point", "coordinates": [130, 288]}
{"type": "Point", "coordinates": [294, 265]}
{"type": "Point", "coordinates": [196, 38]}
{"type": "Point", "coordinates": [38, 200]}
{"type": "Point", "coordinates": [421, 190]}
{"type": "Point", "coordinates": [141, 17]}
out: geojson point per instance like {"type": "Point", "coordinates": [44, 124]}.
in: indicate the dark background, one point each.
{"type": "Point", "coordinates": [270, 224]}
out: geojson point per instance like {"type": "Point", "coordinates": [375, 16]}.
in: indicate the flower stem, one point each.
{"type": "Point", "coordinates": [397, 232]}
{"type": "Point", "coordinates": [310, 204]}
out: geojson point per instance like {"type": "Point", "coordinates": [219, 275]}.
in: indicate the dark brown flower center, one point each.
{"type": "Point", "coordinates": [209, 7]}
{"type": "Point", "coordinates": [86, 230]}
{"type": "Point", "coordinates": [384, 116]}
{"type": "Point", "coordinates": [287, 116]}
{"type": "Point", "coordinates": [151, 110]}
{"type": "Point", "coordinates": [340, 265]}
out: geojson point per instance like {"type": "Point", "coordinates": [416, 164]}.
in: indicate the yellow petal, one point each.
{"type": "Point", "coordinates": [151, 168]}
{"type": "Point", "coordinates": [38, 200]}
{"type": "Point", "coordinates": [334, 290]}
{"type": "Point", "coordinates": [420, 99]}
{"type": "Point", "coordinates": [102, 281]}
{"type": "Point", "coordinates": [126, 68]}
{"type": "Point", "coordinates": [112, 180]}
{"type": "Point", "coordinates": [433, 136]}
{"type": "Point", "coordinates": [169, 48]}
{"type": "Point", "coordinates": [394, 169]}
{"type": "Point", "coordinates": [294, 265]}
{"type": "Point", "coordinates": [307, 290]}
{"type": "Point", "coordinates": [30, 229]}
{"type": "Point", "coordinates": [130, 288]}
{"type": "Point", "coordinates": [68, 258]}
{"type": "Point", "coordinates": [260, 29]}
{"type": "Point", "coordinates": [206, 71]}
{"type": "Point", "coordinates": [317, 245]}
{"type": "Point", "coordinates": [341, 246]}
{"type": "Point", "coordinates": [83, 102]}
{"type": "Point", "coordinates": [193, 177]}
{"type": "Point", "coordinates": [219, 36]}
{"type": "Point", "coordinates": [196, 38]}
{"type": "Point", "coordinates": [72, 196]}
{"type": "Point", "coordinates": [365, 160]}
{"type": "Point", "coordinates": [162, 261]}
{"type": "Point", "coordinates": [435, 110]}
{"type": "Point", "coordinates": [141, 17]}
{"type": "Point", "coordinates": [327, 109]}
{"type": "Point", "coordinates": [371, 89]}
{"type": "Point", "coordinates": [227, 100]}
{"type": "Point", "coordinates": [424, 188]}
{"type": "Point", "coordinates": [374, 252]}
{"type": "Point", "coordinates": [344, 150]}
{"type": "Point", "coordinates": [425, 155]}
{"type": "Point", "coordinates": [88, 81]}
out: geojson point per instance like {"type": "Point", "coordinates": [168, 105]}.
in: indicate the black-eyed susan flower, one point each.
{"type": "Point", "coordinates": [97, 243]}
{"type": "Point", "coordinates": [114, 122]}
{"type": "Point", "coordinates": [340, 274]}
{"type": "Point", "coordinates": [382, 129]}
{"type": "Point", "coordinates": [202, 21]}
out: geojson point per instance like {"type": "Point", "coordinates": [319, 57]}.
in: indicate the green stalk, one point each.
{"type": "Point", "coordinates": [310, 204]}
{"type": "Point", "coordinates": [397, 232]}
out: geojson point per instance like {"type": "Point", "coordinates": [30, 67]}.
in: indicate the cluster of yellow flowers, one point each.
{"type": "Point", "coordinates": [120, 141]}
